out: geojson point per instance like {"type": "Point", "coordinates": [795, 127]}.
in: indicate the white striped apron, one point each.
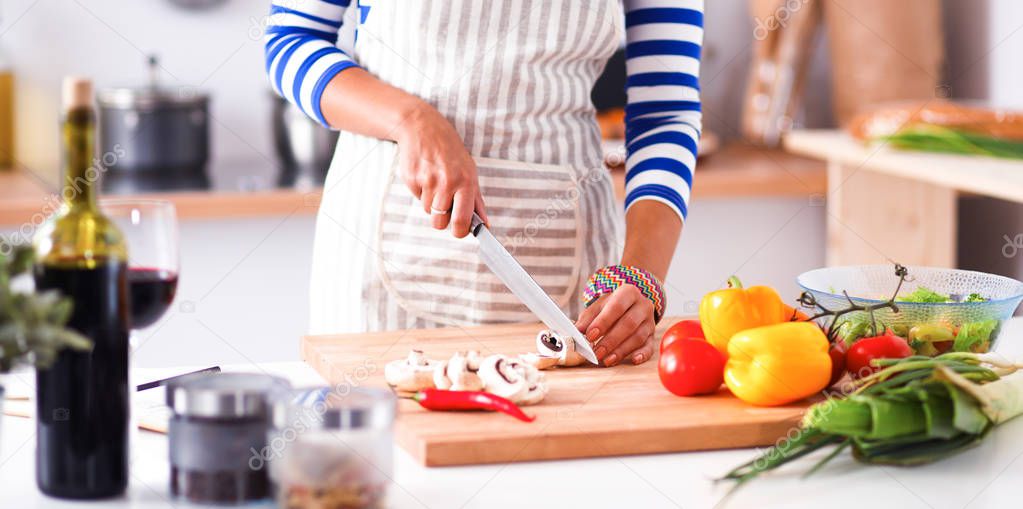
{"type": "Point", "coordinates": [514, 79]}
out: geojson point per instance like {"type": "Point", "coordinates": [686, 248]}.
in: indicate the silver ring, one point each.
{"type": "Point", "coordinates": [438, 212]}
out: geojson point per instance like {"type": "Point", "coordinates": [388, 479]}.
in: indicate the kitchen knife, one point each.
{"type": "Point", "coordinates": [509, 271]}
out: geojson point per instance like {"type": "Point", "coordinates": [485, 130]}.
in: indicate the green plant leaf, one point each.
{"type": "Point", "coordinates": [32, 325]}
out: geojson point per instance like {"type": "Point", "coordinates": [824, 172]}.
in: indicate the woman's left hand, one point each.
{"type": "Point", "coordinates": [625, 320]}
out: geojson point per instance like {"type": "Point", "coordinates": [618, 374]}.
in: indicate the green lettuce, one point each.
{"type": "Point", "coordinates": [975, 336]}
{"type": "Point", "coordinates": [923, 294]}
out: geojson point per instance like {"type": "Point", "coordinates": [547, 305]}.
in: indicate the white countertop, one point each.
{"type": "Point", "coordinates": [985, 477]}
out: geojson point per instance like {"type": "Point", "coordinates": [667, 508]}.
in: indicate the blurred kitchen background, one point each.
{"type": "Point", "coordinates": [247, 219]}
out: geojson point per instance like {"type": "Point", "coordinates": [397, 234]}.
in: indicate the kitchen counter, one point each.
{"type": "Point", "coordinates": [740, 170]}
{"type": "Point", "coordinates": [984, 477]}
{"type": "Point", "coordinates": [735, 171]}
{"type": "Point", "coordinates": [239, 193]}
{"type": "Point", "coordinates": [887, 204]}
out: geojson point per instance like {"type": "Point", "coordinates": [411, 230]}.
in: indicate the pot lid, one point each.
{"type": "Point", "coordinates": [151, 95]}
{"type": "Point", "coordinates": [224, 395]}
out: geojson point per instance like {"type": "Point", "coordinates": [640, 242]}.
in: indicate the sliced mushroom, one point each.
{"type": "Point", "coordinates": [472, 361]}
{"type": "Point", "coordinates": [538, 361]}
{"type": "Point", "coordinates": [537, 388]}
{"type": "Point", "coordinates": [513, 379]}
{"type": "Point", "coordinates": [500, 377]}
{"type": "Point", "coordinates": [550, 344]}
{"type": "Point", "coordinates": [459, 373]}
{"type": "Point", "coordinates": [414, 373]}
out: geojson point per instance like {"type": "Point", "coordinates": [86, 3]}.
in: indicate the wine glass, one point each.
{"type": "Point", "coordinates": [150, 229]}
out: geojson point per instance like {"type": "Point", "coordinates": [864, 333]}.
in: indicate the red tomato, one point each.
{"type": "Point", "coordinates": [685, 329]}
{"type": "Point", "coordinates": [691, 366]}
{"type": "Point", "coordinates": [837, 353]}
{"type": "Point", "coordinates": [885, 346]}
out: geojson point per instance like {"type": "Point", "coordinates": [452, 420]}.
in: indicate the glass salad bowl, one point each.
{"type": "Point", "coordinates": [938, 309]}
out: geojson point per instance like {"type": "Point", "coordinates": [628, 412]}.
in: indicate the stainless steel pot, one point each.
{"type": "Point", "coordinates": [154, 130]}
{"type": "Point", "coordinates": [304, 148]}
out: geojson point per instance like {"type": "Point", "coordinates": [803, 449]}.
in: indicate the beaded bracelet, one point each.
{"type": "Point", "coordinates": [609, 278]}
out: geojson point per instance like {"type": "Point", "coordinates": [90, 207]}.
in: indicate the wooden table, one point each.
{"type": "Point", "coordinates": [884, 204]}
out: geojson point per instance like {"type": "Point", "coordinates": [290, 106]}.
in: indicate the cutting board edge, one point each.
{"type": "Point", "coordinates": [538, 447]}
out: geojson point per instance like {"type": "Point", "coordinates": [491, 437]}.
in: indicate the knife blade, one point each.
{"type": "Point", "coordinates": [511, 273]}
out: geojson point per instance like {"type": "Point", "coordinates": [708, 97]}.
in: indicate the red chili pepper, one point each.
{"type": "Point", "coordinates": [436, 399]}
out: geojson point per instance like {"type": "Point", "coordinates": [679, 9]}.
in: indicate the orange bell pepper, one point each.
{"type": "Point", "coordinates": [735, 309]}
{"type": "Point", "coordinates": [778, 364]}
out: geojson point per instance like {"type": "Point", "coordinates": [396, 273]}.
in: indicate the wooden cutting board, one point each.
{"type": "Point", "coordinates": [589, 411]}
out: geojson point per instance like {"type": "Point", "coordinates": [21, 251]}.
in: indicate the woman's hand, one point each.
{"type": "Point", "coordinates": [433, 160]}
{"type": "Point", "coordinates": [438, 169]}
{"type": "Point", "coordinates": [625, 320]}
{"type": "Point", "coordinates": [625, 317]}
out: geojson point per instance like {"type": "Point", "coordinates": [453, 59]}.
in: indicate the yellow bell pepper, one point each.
{"type": "Point", "coordinates": [735, 309]}
{"type": "Point", "coordinates": [778, 364]}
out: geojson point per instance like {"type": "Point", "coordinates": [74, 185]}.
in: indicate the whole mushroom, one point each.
{"type": "Point", "coordinates": [414, 373]}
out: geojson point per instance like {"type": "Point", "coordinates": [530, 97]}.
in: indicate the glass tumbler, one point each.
{"type": "Point", "coordinates": [332, 447]}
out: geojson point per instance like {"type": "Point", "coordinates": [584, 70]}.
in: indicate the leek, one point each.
{"type": "Point", "coordinates": [913, 411]}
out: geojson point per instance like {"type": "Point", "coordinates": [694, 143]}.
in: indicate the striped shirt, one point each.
{"type": "Point", "coordinates": [662, 115]}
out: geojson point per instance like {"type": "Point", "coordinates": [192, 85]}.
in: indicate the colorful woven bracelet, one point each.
{"type": "Point", "coordinates": [609, 278]}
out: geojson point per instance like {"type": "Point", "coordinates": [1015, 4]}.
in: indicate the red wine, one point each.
{"type": "Point", "coordinates": [152, 292]}
{"type": "Point", "coordinates": [82, 399]}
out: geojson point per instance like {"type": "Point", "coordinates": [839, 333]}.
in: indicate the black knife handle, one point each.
{"type": "Point", "coordinates": [476, 224]}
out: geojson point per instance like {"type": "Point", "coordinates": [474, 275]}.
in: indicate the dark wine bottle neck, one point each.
{"type": "Point", "coordinates": [80, 175]}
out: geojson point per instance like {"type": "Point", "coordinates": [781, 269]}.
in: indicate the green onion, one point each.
{"type": "Point", "coordinates": [932, 138]}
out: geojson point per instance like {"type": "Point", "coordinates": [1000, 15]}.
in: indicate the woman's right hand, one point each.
{"type": "Point", "coordinates": [438, 169]}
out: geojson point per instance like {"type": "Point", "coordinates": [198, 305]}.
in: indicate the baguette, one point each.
{"type": "Point", "coordinates": [888, 120]}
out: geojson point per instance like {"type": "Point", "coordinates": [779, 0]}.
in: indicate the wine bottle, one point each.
{"type": "Point", "coordinates": [82, 399]}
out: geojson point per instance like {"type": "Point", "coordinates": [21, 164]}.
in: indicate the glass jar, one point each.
{"type": "Point", "coordinates": [332, 448]}
{"type": "Point", "coordinates": [217, 436]}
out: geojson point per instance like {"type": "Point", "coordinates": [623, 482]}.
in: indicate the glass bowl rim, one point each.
{"type": "Point", "coordinates": [1004, 300]}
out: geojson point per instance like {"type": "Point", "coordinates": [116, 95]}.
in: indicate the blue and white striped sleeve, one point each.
{"type": "Point", "coordinates": [301, 52]}
{"type": "Point", "coordinates": [662, 115]}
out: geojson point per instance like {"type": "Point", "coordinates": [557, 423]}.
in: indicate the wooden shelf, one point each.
{"type": "Point", "coordinates": [886, 204]}
{"type": "Point", "coordinates": [988, 176]}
